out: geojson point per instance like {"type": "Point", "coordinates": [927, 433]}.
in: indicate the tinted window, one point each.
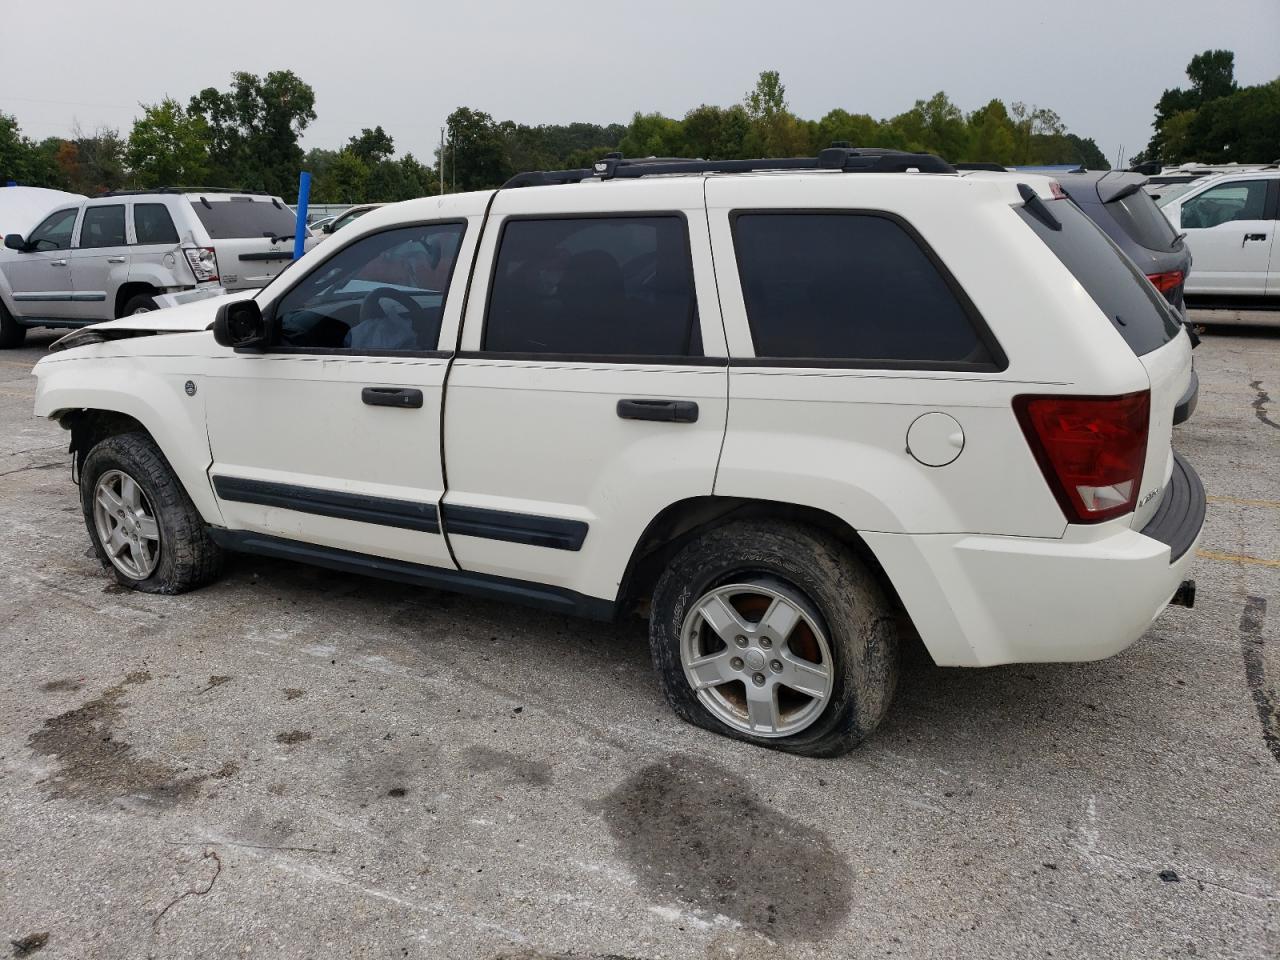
{"type": "Point", "coordinates": [383, 292]}
{"type": "Point", "coordinates": [1137, 311]}
{"type": "Point", "coordinates": [1243, 200]}
{"type": "Point", "coordinates": [152, 223]}
{"type": "Point", "coordinates": [238, 218]}
{"type": "Point", "coordinates": [55, 232]}
{"type": "Point", "coordinates": [1143, 221]}
{"type": "Point", "coordinates": [103, 227]}
{"type": "Point", "coordinates": [614, 286]}
{"type": "Point", "coordinates": [848, 287]}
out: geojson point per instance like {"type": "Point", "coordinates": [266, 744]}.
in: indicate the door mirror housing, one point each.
{"type": "Point", "coordinates": [327, 228]}
{"type": "Point", "coordinates": [15, 241]}
{"type": "Point", "coordinates": [240, 325]}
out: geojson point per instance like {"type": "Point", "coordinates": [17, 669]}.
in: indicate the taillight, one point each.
{"type": "Point", "coordinates": [1164, 282]}
{"type": "Point", "coordinates": [1090, 449]}
{"type": "Point", "coordinates": [203, 262]}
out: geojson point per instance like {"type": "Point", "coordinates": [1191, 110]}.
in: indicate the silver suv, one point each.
{"type": "Point", "coordinates": [114, 255]}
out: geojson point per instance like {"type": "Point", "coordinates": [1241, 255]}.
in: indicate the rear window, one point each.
{"type": "Point", "coordinates": [852, 287]}
{"type": "Point", "coordinates": [239, 218]}
{"type": "Point", "coordinates": [1138, 312]}
{"type": "Point", "coordinates": [1143, 221]}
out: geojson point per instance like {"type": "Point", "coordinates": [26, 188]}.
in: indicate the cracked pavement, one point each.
{"type": "Point", "coordinates": [297, 763]}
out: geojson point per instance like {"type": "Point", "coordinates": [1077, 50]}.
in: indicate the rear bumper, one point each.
{"type": "Point", "coordinates": [982, 600]}
{"type": "Point", "coordinates": [1187, 405]}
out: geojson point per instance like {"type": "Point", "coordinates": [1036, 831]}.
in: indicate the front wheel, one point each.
{"type": "Point", "coordinates": [12, 333]}
{"type": "Point", "coordinates": [143, 525]}
{"type": "Point", "coordinates": [777, 634]}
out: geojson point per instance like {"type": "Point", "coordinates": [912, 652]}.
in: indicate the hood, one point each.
{"type": "Point", "coordinates": [187, 318]}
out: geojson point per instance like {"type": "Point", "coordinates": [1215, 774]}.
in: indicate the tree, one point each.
{"type": "Point", "coordinates": [992, 135]}
{"type": "Point", "coordinates": [342, 179]}
{"type": "Point", "coordinates": [856, 129]}
{"type": "Point", "coordinates": [475, 156]}
{"type": "Point", "coordinates": [372, 145]}
{"type": "Point", "coordinates": [1212, 76]}
{"type": "Point", "coordinates": [774, 130]}
{"type": "Point", "coordinates": [254, 129]}
{"type": "Point", "coordinates": [652, 135]}
{"type": "Point", "coordinates": [168, 146]}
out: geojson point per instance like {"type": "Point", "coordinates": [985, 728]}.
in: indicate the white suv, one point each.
{"type": "Point", "coordinates": [114, 255]}
{"type": "Point", "coordinates": [778, 411]}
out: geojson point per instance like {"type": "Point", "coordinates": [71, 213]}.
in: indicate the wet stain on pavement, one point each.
{"type": "Point", "coordinates": [62, 686]}
{"type": "Point", "coordinates": [293, 736]}
{"type": "Point", "coordinates": [1260, 405]}
{"type": "Point", "coordinates": [293, 693]}
{"type": "Point", "coordinates": [94, 765]}
{"type": "Point", "coordinates": [488, 760]}
{"type": "Point", "coordinates": [26, 946]}
{"type": "Point", "coordinates": [1265, 697]}
{"type": "Point", "coordinates": [694, 833]}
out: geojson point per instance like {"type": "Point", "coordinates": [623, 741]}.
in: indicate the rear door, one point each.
{"type": "Point", "coordinates": [590, 391]}
{"type": "Point", "coordinates": [40, 277]}
{"type": "Point", "coordinates": [1231, 233]}
{"type": "Point", "coordinates": [251, 235]}
{"type": "Point", "coordinates": [99, 261]}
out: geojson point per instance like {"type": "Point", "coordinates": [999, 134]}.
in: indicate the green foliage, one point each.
{"type": "Point", "coordinates": [477, 155]}
{"type": "Point", "coordinates": [168, 146]}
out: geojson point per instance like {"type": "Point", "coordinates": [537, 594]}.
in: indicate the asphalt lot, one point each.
{"type": "Point", "coordinates": [296, 763]}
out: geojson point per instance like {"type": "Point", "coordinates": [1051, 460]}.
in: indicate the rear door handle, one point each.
{"type": "Point", "coordinates": [666, 411]}
{"type": "Point", "coordinates": [392, 397]}
{"type": "Point", "coordinates": [1252, 236]}
{"type": "Point", "coordinates": [57, 263]}
{"type": "Point", "coordinates": [116, 259]}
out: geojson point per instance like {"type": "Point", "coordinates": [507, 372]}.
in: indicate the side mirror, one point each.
{"type": "Point", "coordinates": [14, 241]}
{"type": "Point", "coordinates": [240, 324]}
{"type": "Point", "coordinates": [327, 228]}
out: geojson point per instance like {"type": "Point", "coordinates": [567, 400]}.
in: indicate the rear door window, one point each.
{"type": "Point", "coordinates": [239, 218]}
{"type": "Point", "coordinates": [1139, 314]}
{"type": "Point", "coordinates": [602, 286]}
{"type": "Point", "coordinates": [852, 287]}
{"type": "Point", "coordinates": [152, 224]}
{"type": "Point", "coordinates": [103, 227]}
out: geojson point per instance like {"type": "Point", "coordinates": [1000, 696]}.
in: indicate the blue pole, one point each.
{"type": "Point", "coordinates": [300, 228]}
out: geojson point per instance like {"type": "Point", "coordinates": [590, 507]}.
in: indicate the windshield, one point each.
{"type": "Point", "coordinates": [240, 218]}
{"type": "Point", "coordinates": [1164, 193]}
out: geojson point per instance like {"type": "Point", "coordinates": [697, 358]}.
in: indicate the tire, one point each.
{"type": "Point", "coordinates": [833, 600]}
{"type": "Point", "coordinates": [183, 557]}
{"type": "Point", "coordinates": [12, 333]}
{"type": "Point", "coordinates": [142, 303]}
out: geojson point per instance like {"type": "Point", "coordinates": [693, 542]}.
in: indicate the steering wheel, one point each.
{"type": "Point", "coordinates": [369, 306]}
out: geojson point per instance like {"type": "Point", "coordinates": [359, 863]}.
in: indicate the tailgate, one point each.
{"type": "Point", "coordinates": [1169, 370]}
{"type": "Point", "coordinates": [251, 262]}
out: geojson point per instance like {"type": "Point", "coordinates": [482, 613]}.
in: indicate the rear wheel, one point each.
{"type": "Point", "coordinates": [776, 634]}
{"type": "Point", "coordinates": [12, 333]}
{"type": "Point", "coordinates": [143, 525]}
{"type": "Point", "coordinates": [142, 303]}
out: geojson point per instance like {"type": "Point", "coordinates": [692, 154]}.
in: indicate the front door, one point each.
{"type": "Point", "coordinates": [40, 277]}
{"type": "Point", "coordinates": [1231, 236]}
{"type": "Point", "coordinates": [332, 436]}
{"type": "Point", "coordinates": [590, 392]}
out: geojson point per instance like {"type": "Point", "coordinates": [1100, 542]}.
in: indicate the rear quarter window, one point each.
{"type": "Point", "coordinates": [240, 218]}
{"type": "Point", "coordinates": [857, 288]}
{"type": "Point", "coordinates": [1139, 314]}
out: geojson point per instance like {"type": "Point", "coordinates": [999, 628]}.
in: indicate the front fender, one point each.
{"type": "Point", "coordinates": [154, 394]}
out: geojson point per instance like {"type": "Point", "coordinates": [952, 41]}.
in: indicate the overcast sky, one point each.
{"type": "Point", "coordinates": [406, 65]}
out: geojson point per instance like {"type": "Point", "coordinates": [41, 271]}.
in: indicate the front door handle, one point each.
{"type": "Point", "coordinates": [1252, 236]}
{"type": "Point", "coordinates": [666, 411]}
{"type": "Point", "coordinates": [116, 259]}
{"type": "Point", "coordinates": [392, 397]}
{"type": "Point", "coordinates": [57, 263]}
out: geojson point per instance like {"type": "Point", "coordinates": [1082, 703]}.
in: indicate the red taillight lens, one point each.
{"type": "Point", "coordinates": [1090, 449]}
{"type": "Point", "coordinates": [1164, 282]}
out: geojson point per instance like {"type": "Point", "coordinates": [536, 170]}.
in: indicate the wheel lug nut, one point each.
{"type": "Point", "coordinates": [758, 679]}
{"type": "Point", "coordinates": [740, 641]}
{"type": "Point", "coordinates": [775, 666]}
{"type": "Point", "coordinates": [766, 642]}
{"type": "Point", "coordinates": [736, 663]}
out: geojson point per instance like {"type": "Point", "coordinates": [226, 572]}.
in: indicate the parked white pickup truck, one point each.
{"type": "Point", "coordinates": [114, 255]}
{"type": "Point", "coordinates": [779, 407]}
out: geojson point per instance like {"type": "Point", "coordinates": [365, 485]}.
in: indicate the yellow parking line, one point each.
{"type": "Point", "coordinates": [18, 363]}
{"type": "Point", "coordinates": [1244, 503]}
{"type": "Point", "coordinates": [1236, 558]}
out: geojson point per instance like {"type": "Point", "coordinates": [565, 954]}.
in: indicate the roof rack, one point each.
{"type": "Point", "coordinates": [839, 158]}
{"type": "Point", "coordinates": [138, 193]}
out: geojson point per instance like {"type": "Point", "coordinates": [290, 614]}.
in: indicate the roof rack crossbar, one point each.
{"type": "Point", "coordinates": [843, 159]}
